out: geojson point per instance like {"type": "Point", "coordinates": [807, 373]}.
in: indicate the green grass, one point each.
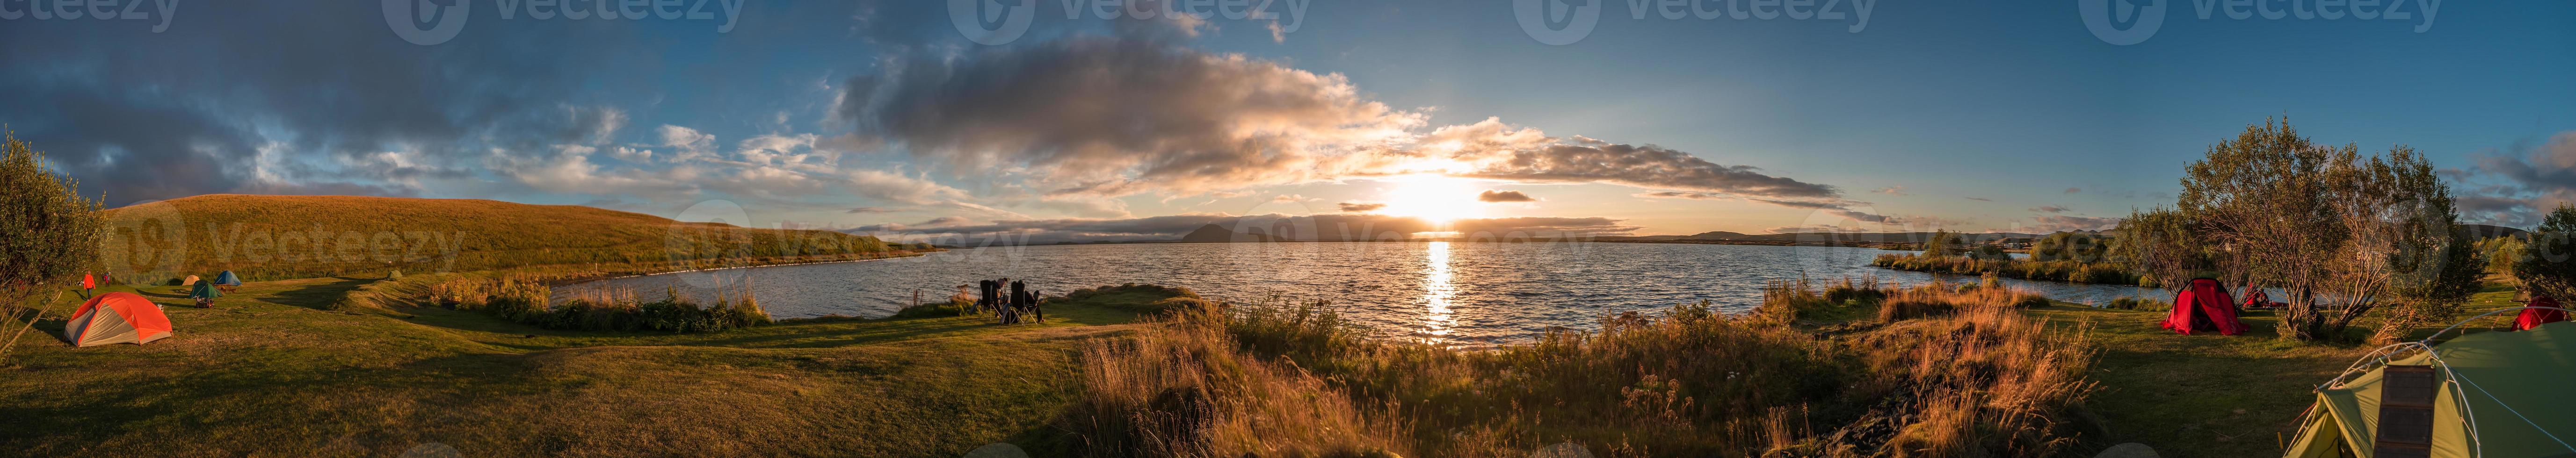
{"type": "Point", "coordinates": [281, 237]}
{"type": "Point", "coordinates": [2207, 395]}
{"type": "Point", "coordinates": [274, 370]}
{"type": "Point", "coordinates": [270, 371]}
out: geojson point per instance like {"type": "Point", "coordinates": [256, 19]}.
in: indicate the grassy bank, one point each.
{"type": "Point", "coordinates": [2065, 271]}
{"type": "Point", "coordinates": [274, 371]}
{"type": "Point", "coordinates": [1851, 368]}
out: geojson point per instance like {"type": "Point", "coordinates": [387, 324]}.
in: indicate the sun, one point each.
{"type": "Point", "coordinates": [1437, 199]}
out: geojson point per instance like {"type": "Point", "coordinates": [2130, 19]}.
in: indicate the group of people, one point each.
{"type": "Point", "coordinates": [1008, 299]}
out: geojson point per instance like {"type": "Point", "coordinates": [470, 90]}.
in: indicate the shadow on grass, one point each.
{"type": "Point", "coordinates": [318, 296]}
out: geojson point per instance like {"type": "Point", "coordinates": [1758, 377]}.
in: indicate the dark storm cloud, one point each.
{"type": "Point", "coordinates": [1121, 115]}
{"type": "Point", "coordinates": [304, 97]}
{"type": "Point", "coordinates": [1503, 196]}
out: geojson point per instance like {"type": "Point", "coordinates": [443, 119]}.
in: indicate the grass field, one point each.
{"type": "Point", "coordinates": [2208, 395]}
{"type": "Point", "coordinates": [269, 372]}
{"type": "Point", "coordinates": [272, 371]}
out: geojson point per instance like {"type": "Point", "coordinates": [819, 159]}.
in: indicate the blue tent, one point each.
{"type": "Point", "coordinates": [227, 279]}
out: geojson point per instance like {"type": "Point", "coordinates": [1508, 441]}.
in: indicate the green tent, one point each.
{"type": "Point", "coordinates": [2491, 394]}
{"type": "Point", "coordinates": [205, 289]}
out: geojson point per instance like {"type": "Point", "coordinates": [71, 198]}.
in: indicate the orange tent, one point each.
{"type": "Point", "coordinates": [115, 318]}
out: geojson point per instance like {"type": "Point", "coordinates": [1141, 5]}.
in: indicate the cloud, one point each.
{"type": "Point", "coordinates": [1290, 198]}
{"type": "Point", "coordinates": [2074, 190]}
{"type": "Point", "coordinates": [897, 188]}
{"type": "Point", "coordinates": [864, 210]}
{"type": "Point", "coordinates": [1503, 196]}
{"type": "Point", "coordinates": [1891, 190]}
{"type": "Point", "coordinates": [1684, 195]}
{"type": "Point", "coordinates": [2049, 209]}
{"type": "Point", "coordinates": [1116, 116]}
{"type": "Point", "coordinates": [1981, 199]}
{"type": "Point", "coordinates": [1320, 227]}
{"type": "Point", "coordinates": [2519, 186]}
{"type": "Point", "coordinates": [1356, 207]}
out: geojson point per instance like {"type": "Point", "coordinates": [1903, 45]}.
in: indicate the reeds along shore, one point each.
{"type": "Point", "coordinates": [2061, 270]}
{"type": "Point", "coordinates": [1957, 371]}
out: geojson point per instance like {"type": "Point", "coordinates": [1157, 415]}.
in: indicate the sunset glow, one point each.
{"type": "Point", "coordinates": [1438, 199]}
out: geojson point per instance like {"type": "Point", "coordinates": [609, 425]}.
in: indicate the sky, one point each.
{"type": "Point", "coordinates": [925, 118]}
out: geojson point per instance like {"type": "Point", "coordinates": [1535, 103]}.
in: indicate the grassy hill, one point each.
{"type": "Point", "coordinates": [271, 372]}
{"type": "Point", "coordinates": [276, 237]}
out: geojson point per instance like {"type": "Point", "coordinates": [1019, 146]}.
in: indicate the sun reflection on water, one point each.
{"type": "Point", "coordinates": [1437, 292]}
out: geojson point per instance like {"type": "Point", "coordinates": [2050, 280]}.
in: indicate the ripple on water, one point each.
{"type": "Point", "coordinates": [1494, 291]}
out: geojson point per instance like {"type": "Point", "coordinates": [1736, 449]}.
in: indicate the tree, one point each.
{"type": "Point", "coordinates": [53, 235]}
{"type": "Point", "coordinates": [2273, 209]}
{"type": "Point", "coordinates": [2405, 248]}
{"type": "Point", "coordinates": [2544, 268]}
{"type": "Point", "coordinates": [2070, 246]}
{"type": "Point", "coordinates": [2162, 246]}
{"type": "Point", "coordinates": [1944, 243]}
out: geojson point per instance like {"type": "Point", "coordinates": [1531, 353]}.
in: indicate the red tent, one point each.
{"type": "Point", "coordinates": [2535, 317]}
{"type": "Point", "coordinates": [2205, 306]}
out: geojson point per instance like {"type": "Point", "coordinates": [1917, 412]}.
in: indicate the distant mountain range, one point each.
{"type": "Point", "coordinates": [1822, 237]}
{"type": "Point", "coordinates": [1220, 234]}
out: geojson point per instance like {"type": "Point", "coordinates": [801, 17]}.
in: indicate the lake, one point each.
{"type": "Point", "coordinates": [1453, 292]}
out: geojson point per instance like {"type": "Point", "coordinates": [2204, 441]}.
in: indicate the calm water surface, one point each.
{"type": "Point", "coordinates": [1461, 293]}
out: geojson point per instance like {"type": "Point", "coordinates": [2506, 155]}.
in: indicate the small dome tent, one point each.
{"type": "Point", "coordinates": [2204, 306]}
{"type": "Point", "coordinates": [227, 279]}
{"type": "Point", "coordinates": [114, 318]}
{"type": "Point", "coordinates": [2489, 394]}
{"type": "Point", "coordinates": [2542, 310]}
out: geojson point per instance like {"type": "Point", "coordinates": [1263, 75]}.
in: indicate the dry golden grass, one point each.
{"type": "Point", "coordinates": [1294, 380]}
{"type": "Point", "coordinates": [277, 237]}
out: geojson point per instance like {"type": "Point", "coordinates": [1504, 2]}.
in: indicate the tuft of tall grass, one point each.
{"type": "Point", "coordinates": [1182, 390]}
{"type": "Point", "coordinates": [526, 299]}
{"type": "Point", "coordinates": [1684, 381]}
